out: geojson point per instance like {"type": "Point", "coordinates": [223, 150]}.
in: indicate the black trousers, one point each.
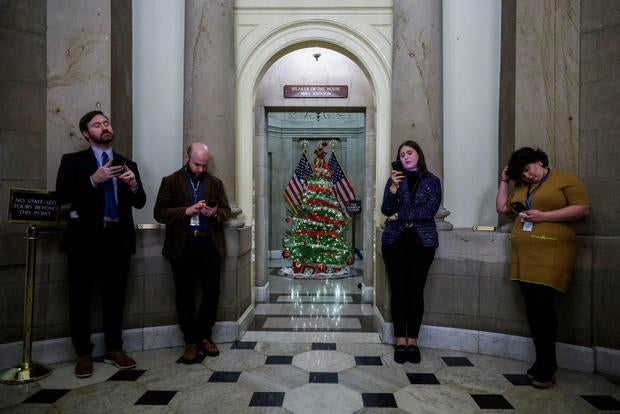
{"type": "Point", "coordinates": [104, 265]}
{"type": "Point", "coordinates": [407, 262]}
{"type": "Point", "coordinates": [543, 322]}
{"type": "Point", "coordinates": [199, 262]}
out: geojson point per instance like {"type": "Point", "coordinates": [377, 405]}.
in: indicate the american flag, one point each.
{"type": "Point", "coordinates": [342, 186]}
{"type": "Point", "coordinates": [295, 189]}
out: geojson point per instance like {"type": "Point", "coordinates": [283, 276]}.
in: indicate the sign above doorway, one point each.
{"type": "Point", "coordinates": [316, 91]}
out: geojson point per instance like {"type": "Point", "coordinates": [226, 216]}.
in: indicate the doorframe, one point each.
{"type": "Point", "coordinates": [267, 30]}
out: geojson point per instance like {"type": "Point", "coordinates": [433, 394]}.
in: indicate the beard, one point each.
{"type": "Point", "coordinates": [192, 174]}
{"type": "Point", "coordinates": [105, 138]}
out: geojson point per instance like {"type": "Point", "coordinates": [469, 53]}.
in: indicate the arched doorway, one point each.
{"type": "Point", "coordinates": [263, 35]}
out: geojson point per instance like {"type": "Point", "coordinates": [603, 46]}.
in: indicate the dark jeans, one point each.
{"type": "Point", "coordinates": [543, 322]}
{"type": "Point", "coordinates": [109, 267]}
{"type": "Point", "coordinates": [407, 262]}
{"type": "Point", "coordinates": [199, 261]}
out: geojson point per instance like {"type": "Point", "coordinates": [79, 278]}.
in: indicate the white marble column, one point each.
{"type": "Point", "coordinates": [158, 56]}
{"type": "Point", "coordinates": [471, 50]}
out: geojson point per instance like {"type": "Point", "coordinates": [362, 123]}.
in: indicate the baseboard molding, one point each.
{"type": "Point", "coordinates": [368, 294]}
{"type": "Point", "coordinates": [261, 293]}
{"type": "Point", "coordinates": [574, 357]}
{"type": "Point", "coordinates": [53, 351]}
{"type": "Point", "coordinates": [607, 361]}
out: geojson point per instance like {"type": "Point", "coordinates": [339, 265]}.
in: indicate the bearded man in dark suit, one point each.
{"type": "Point", "coordinates": [101, 187]}
{"type": "Point", "coordinates": [192, 204]}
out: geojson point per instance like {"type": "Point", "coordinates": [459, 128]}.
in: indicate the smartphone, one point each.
{"type": "Point", "coordinates": [518, 206]}
{"type": "Point", "coordinates": [117, 162]}
{"type": "Point", "coordinates": [212, 203]}
{"type": "Point", "coordinates": [398, 165]}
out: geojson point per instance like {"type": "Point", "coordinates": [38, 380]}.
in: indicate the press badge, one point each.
{"type": "Point", "coordinates": [194, 220]}
{"type": "Point", "coordinates": [528, 225]}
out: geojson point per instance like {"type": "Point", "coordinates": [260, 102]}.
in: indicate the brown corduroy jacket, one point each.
{"type": "Point", "coordinates": [172, 200]}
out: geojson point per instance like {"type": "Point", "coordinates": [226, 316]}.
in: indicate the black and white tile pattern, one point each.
{"type": "Point", "coordinates": [313, 349]}
{"type": "Point", "coordinates": [313, 378]}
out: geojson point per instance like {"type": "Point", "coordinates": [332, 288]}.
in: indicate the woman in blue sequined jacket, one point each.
{"type": "Point", "coordinates": [411, 199]}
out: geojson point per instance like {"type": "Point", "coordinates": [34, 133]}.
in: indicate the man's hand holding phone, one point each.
{"type": "Point", "coordinates": [118, 162]}
{"type": "Point", "coordinates": [210, 209]}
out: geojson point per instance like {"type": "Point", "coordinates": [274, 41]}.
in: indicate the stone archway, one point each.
{"type": "Point", "coordinates": [264, 31]}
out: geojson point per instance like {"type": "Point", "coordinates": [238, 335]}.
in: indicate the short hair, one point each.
{"type": "Point", "coordinates": [88, 117]}
{"type": "Point", "coordinates": [522, 157]}
{"type": "Point", "coordinates": [421, 168]}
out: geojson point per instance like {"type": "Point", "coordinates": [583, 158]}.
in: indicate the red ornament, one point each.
{"type": "Point", "coordinates": [350, 260]}
{"type": "Point", "coordinates": [297, 266]}
{"type": "Point", "coordinates": [288, 219]}
{"type": "Point", "coordinates": [285, 253]}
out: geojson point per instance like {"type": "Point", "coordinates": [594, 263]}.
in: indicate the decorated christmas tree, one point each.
{"type": "Point", "coordinates": [316, 243]}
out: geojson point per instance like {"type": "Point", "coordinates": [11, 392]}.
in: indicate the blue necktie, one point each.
{"type": "Point", "coordinates": [111, 209]}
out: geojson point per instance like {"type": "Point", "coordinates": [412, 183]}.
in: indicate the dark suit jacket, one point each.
{"type": "Point", "coordinates": [73, 186]}
{"type": "Point", "coordinates": [173, 199]}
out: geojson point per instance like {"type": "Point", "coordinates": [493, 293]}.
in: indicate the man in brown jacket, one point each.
{"type": "Point", "coordinates": [193, 206]}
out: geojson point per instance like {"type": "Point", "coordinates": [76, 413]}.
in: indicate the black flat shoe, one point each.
{"type": "Point", "coordinates": [413, 354]}
{"type": "Point", "coordinates": [400, 354]}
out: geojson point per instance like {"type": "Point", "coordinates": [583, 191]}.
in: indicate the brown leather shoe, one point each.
{"type": "Point", "coordinates": [84, 366]}
{"type": "Point", "coordinates": [209, 347]}
{"type": "Point", "coordinates": [119, 359]}
{"type": "Point", "coordinates": [191, 354]}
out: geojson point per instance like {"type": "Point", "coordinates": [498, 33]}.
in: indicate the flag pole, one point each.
{"type": "Point", "coordinates": [356, 251]}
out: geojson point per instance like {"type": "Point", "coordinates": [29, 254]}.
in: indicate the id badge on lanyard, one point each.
{"type": "Point", "coordinates": [528, 225]}
{"type": "Point", "coordinates": [194, 220]}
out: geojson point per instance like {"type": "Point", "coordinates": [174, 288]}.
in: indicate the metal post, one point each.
{"type": "Point", "coordinates": [28, 371]}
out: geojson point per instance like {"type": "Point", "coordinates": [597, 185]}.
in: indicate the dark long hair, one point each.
{"type": "Point", "coordinates": [422, 170]}
{"type": "Point", "coordinates": [522, 157]}
{"type": "Point", "coordinates": [413, 179]}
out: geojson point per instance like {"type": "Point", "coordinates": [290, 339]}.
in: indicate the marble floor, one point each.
{"type": "Point", "coordinates": [311, 349]}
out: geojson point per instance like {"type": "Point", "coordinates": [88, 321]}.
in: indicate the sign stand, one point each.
{"type": "Point", "coordinates": [32, 207]}
{"type": "Point", "coordinates": [28, 371]}
{"type": "Point", "coordinates": [354, 207]}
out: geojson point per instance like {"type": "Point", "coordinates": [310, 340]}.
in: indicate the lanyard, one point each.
{"type": "Point", "coordinates": [195, 188]}
{"type": "Point", "coordinates": [530, 193]}
{"type": "Point", "coordinates": [191, 182]}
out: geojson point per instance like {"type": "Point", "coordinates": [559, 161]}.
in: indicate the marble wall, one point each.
{"type": "Point", "coordinates": [417, 79]}
{"type": "Point", "coordinates": [78, 74]}
{"type": "Point", "coordinates": [22, 125]}
{"type": "Point", "coordinates": [547, 79]}
{"type": "Point", "coordinates": [210, 85]}
{"type": "Point", "coordinates": [599, 88]}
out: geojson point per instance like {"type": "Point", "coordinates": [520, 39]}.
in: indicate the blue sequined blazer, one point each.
{"type": "Point", "coordinates": [420, 213]}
